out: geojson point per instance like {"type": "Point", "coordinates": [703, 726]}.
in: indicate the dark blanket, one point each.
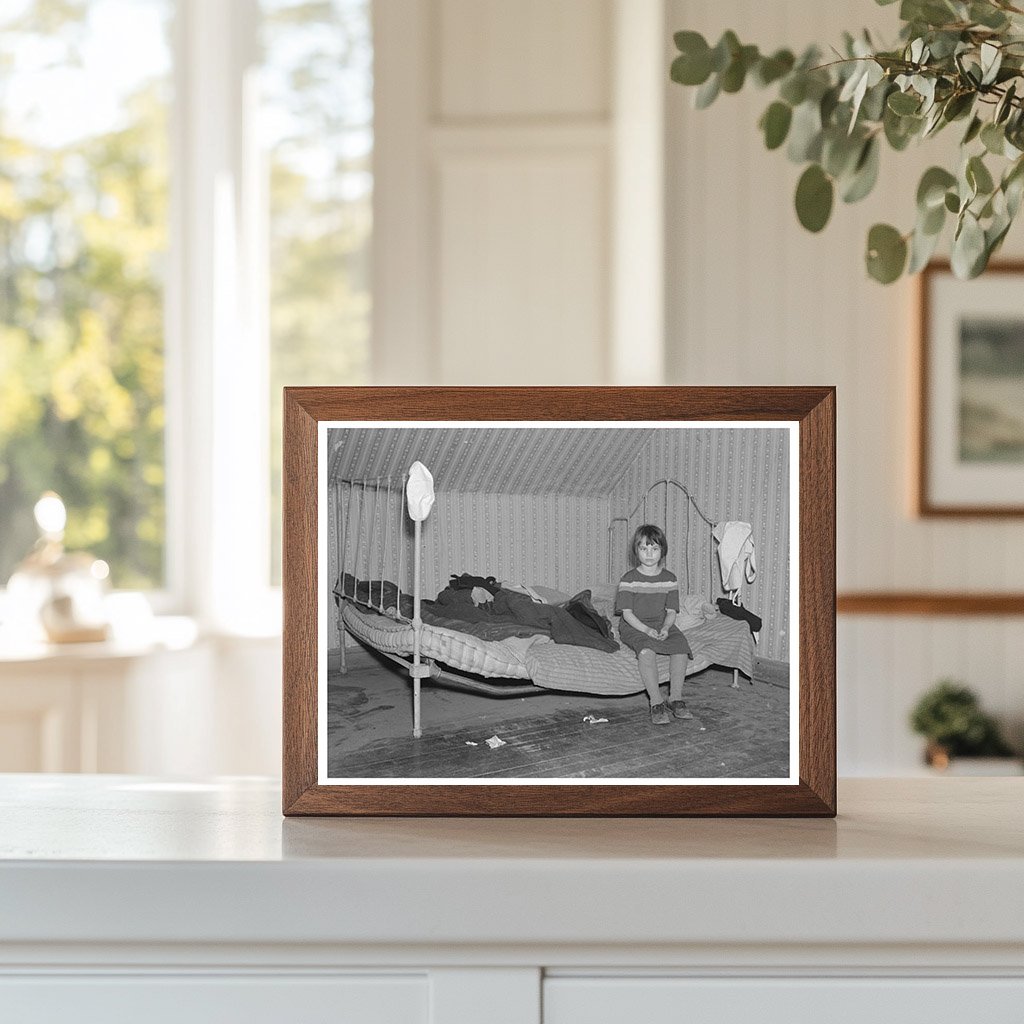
{"type": "Point", "coordinates": [582, 625]}
{"type": "Point", "coordinates": [509, 615]}
{"type": "Point", "coordinates": [737, 611]}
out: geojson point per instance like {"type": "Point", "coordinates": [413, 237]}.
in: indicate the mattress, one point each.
{"type": "Point", "coordinates": [462, 651]}
{"type": "Point", "coordinates": [720, 641]}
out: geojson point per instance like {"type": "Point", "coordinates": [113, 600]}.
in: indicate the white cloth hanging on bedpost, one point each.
{"type": "Point", "coordinates": [736, 557]}
{"type": "Point", "coordinates": [420, 496]}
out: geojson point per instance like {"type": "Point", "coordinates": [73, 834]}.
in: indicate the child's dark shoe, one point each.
{"type": "Point", "coordinates": [679, 709]}
{"type": "Point", "coordinates": [660, 714]}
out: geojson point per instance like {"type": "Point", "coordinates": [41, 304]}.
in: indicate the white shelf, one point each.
{"type": "Point", "coordinates": [914, 897]}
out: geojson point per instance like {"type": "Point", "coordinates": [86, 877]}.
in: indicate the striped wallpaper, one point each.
{"type": "Point", "coordinates": [732, 474]}
{"type": "Point", "coordinates": [555, 540]}
{"type": "Point", "coordinates": [561, 540]}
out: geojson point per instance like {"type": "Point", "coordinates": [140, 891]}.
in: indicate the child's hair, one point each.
{"type": "Point", "coordinates": [652, 535]}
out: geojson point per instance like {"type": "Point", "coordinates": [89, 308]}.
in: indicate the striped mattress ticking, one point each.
{"type": "Point", "coordinates": [502, 659]}
{"type": "Point", "coordinates": [719, 641]}
{"type": "Point", "coordinates": [716, 642]}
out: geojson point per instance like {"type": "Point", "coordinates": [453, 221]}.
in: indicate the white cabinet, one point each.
{"type": "Point", "coordinates": [823, 1000]}
{"type": "Point", "coordinates": [202, 999]}
{"type": "Point", "coordinates": [133, 898]}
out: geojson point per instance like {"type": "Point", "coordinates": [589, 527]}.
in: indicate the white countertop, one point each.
{"type": "Point", "coordinates": [121, 859]}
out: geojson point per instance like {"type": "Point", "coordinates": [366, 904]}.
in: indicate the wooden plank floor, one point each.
{"type": "Point", "coordinates": [735, 733]}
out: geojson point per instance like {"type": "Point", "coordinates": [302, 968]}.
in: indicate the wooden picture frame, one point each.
{"type": "Point", "coordinates": [970, 388]}
{"type": "Point", "coordinates": [334, 441]}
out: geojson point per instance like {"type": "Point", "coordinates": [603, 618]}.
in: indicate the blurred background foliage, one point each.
{"type": "Point", "coordinates": [83, 231]}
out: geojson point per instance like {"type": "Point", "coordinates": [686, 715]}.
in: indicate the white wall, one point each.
{"type": "Point", "coordinates": [754, 299]}
{"type": "Point", "coordinates": [511, 140]}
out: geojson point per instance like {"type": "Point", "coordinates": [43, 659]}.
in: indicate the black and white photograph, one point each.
{"type": "Point", "coordinates": [571, 601]}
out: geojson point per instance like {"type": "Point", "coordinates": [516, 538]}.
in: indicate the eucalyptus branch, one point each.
{"type": "Point", "coordinates": [833, 118]}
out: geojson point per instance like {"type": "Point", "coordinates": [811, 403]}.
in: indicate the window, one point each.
{"type": "Point", "coordinates": [317, 125]}
{"type": "Point", "coordinates": [185, 221]}
{"type": "Point", "coordinates": [83, 235]}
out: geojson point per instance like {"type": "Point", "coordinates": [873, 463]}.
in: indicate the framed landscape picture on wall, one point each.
{"type": "Point", "coordinates": [970, 452]}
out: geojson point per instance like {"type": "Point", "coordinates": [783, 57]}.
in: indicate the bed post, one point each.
{"type": "Point", "coordinates": [340, 529]}
{"type": "Point", "coordinates": [417, 625]}
{"type": "Point", "coordinates": [420, 492]}
{"type": "Point", "coordinates": [342, 635]}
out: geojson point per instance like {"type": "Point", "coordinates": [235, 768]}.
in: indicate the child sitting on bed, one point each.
{"type": "Point", "coordinates": [648, 598]}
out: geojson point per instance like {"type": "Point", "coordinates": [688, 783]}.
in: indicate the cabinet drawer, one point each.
{"type": "Point", "coordinates": [224, 999]}
{"type": "Point", "coordinates": [661, 1000]}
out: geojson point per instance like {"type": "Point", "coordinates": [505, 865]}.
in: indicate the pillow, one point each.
{"type": "Point", "coordinates": [551, 596]}
{"type": "Point", "coordinates": [602, 597]}
{"type": "Point", "coordinates": [694, 611]}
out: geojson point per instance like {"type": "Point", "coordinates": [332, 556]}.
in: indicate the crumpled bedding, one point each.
{"type": "Point", "coordinates": [509, 614]}
{"type": "Point", "coordinates": [717, 641]}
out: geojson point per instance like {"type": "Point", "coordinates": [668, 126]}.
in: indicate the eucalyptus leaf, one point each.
{"type": "Point", "coordinates": [814, 195]}
{"type": "Point", "coordinates": [952, 202]}
{"type": "Point", "coordinates": [933, 122]}
{"type": "Point", "coordinates": [993, 138]}
{"type": "Point", "coordinates": [922, 248]}
{"type": "Point", "coordinates": [1013, 187]}
{"type": "Point", "coordinates": [991, 60]}
{"type": "Point", "coordinates": [931, 190]}
{"type": "Point", "coordinates": [771, 69]}
{"type": "Point", "coordinates": [840, 152]}
{"type": "Point", "coordinates": [987, 15]}
{"type": "Point", "coordinates": [900, 130]}
{"type": "Point", "coordinates": [1013, 191]}
{"type": "Point", "coordinates": [958, 105]}
{"type": "Point", "coordinates": [775, 124]}
{"type": "Point", "coordinates": [805, 133]}
{"type": "Point", "coordinates": [794, 88]}
{"type": "Point", "coordinates": [692, 67]}
{"type": "Point", "coordinates": [724, 51]}
{"type": "Point", "coordinates": [968, 247]}
{"type": "Point", "coordinates": [973, 129]}
{"type": "Point", "coordinates": [828, 104]}
{"type": "Point", "coordinates": [903, 103]}
{"type": "Point", "coordinates": [932, 221]}
{"type": "Point", "coordinates": [707, 93]}
{"type": "Point", "coordinates": [735, 74]}
{"type": "Point", "coordinates": [886, 253]}
{"type": "Point", "coordinates": [978, 176]}
{"type": "Point", "coordinates": [873, 106]}
{"type": "Point", "coordinates": [865, 173]}
{"type": "Point", "coordinates": [1005, 105]}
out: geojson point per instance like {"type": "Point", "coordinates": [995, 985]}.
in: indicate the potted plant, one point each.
{"type": "Point", "coordinates": [956, 62]}
{"type": "Point", "coordinates": [950, 717]}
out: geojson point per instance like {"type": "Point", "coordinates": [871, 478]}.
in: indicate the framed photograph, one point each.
{"type": "Point", "coordinates": [559, 601]}
{"type": "Point", "coordinates": [971, 393]}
